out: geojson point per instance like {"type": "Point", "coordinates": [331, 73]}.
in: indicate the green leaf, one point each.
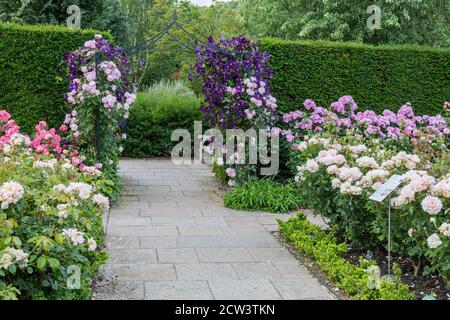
{"type": "Point", "coordinates": [41, 262]}
{"type": "Point", "coordinates": [59, 238]}
{"type": "Point", "coordinates": [12, 268]}
{"type": "Point", "coordinates": [53, 263]}
{"type": "Point", "coordinates": [17, 241]}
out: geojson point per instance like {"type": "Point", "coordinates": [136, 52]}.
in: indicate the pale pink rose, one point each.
{"type": "Point", "coordinates": [339, 159]}
{"type": "Point", "coordinates": [333, 169]}
{"type": "Point", "coordinates": [423, 183]}
{"type": "Point", "coordinates": [311, 166]}
{"type": "Point", "coordinates": [90, 44]}
{"type": "Point", "coordinates": [442, 188]}
{"type": "Point", "coordinates": [407, 192]}
{"type": "Point", "coordinates": [432, 205]}
{"type": "Point", "coordinates": [230, 172]}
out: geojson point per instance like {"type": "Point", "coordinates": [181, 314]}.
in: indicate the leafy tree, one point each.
{"type": "Point", "coordinates": [170, 57]}
{"type": "Point", "coordinates": [102, 15]}
{"type": "Point", "coordinates": [402, 21]}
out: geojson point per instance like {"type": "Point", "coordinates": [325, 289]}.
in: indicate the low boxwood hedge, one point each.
{"type": "Point", "coordinates": [354, 280]}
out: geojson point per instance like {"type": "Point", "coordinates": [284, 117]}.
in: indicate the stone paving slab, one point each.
{"type": "Point", "coordinates": [205, 271]}
{"type": "Point", "coordinates": [223, 255]}
{"type": "Point", "coordinates": [300, 289]}
{"type": "Point", "coordinates": [147, 272]}
{"type": "Point", "coordinates": [177, 255]}
{"type": "Point", "coordinates": [119, 290]}
{"type": "Point", "coordinates": [132, 256]}
{"type": "Point", "coordinates": [178, 290]}
{"type": "Point", "coordinates": [171, 238]}
{"type": "Point", "coordinates": [244, 290]}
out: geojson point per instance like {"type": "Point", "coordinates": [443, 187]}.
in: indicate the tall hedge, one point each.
{"type": "Point", "coordinates": [377, 77]}
{"type": "Point", "coordinates": [30, 87]}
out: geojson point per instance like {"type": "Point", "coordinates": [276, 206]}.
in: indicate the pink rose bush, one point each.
{"type": "Point", "coordinates": [339, 166]}
{"type": "Point", "coordinates": [388, 126]}
{"type": "Point", "coordinates": [51, 206]}
{"type": "Point", "coordinates": [101, 93]}
{"type": "Point", "coordinates": [8, 128]}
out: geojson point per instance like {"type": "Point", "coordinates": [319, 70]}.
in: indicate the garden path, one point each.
{"type": "Point", "coordinates": [171, 238]}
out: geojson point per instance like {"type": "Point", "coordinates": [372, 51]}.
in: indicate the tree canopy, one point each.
{"type": "Point", "coordinates": [423, 22]}
{"type": "Point", "coordinates": [102, 15]}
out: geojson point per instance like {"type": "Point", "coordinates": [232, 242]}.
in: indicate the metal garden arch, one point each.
{"type": "Point", "coordinates": [151, 44]}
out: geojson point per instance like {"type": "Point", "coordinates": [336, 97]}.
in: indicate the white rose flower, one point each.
{"type": "Point", "coordinates": [10, 193]}
{"type": "Point", "coordinates": [445, 229]}
{"type": "Point", "coordinates": [434, 241]}
{"type": "Point", "coordinates": [442, 188]}
{"type": "Point", "coordinates": [92, 244]}
{"type": "Point", "coordinates": [5, 261]}
{"type": "Point", "coordinates": [101, 200]}
{"type": "Point", "coordinates": [7, 148]}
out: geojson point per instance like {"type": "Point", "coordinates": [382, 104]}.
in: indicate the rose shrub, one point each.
{"type": "Point", "coordinates": [342, 157]}
{"type": "Point", "coordinates": [101, 92]}
{"type": "Point", "coordinates": [51, 207]}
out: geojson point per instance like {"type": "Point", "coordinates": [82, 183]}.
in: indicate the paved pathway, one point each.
{"type": "Point", "coordinates": [171, 238]}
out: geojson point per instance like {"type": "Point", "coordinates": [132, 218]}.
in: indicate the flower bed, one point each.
{"type": "Point", "coordinates": [353, 279]}
{"type": "Point", "coordinates": [50, 216]}
{"type": "Point", "coordinates": [342, 157]}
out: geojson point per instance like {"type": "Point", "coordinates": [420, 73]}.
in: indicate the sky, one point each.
{"type": "Point", "coordinates": [202, 2]}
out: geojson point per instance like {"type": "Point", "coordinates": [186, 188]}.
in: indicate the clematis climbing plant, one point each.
{"type": "Point", "coordinates": [101, 92]}
{"type": "Point", "coordinates": [235, 78]}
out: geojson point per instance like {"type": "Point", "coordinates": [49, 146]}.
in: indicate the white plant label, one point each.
{"type": "Point", "coordinates": [387, 188]}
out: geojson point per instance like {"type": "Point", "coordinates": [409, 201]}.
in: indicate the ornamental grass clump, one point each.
{"type": "Point", "coordinates": [263, 195]}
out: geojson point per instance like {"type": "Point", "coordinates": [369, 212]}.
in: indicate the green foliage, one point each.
{"type": "Point", "coordinates": [263, 195]}
{"type": "Point", "coordinates": [34, 227]}
{"type": "Point", "coordinates": [327, 252]}
{"type": "Point", "coordinates": [401, 21]}
{"type": "Point", "coordinates": [219, 173]}
{"type": "Point", "coordinates": [95, 14]}
{"type": "Point", "coordinates": [170, 60]}
{"type": "Point", "coordinates": [30, 85]}
{"type": "Point", "coordinates": [157, 112]}
{"type": "Point", "coordinates": [376, 77]}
